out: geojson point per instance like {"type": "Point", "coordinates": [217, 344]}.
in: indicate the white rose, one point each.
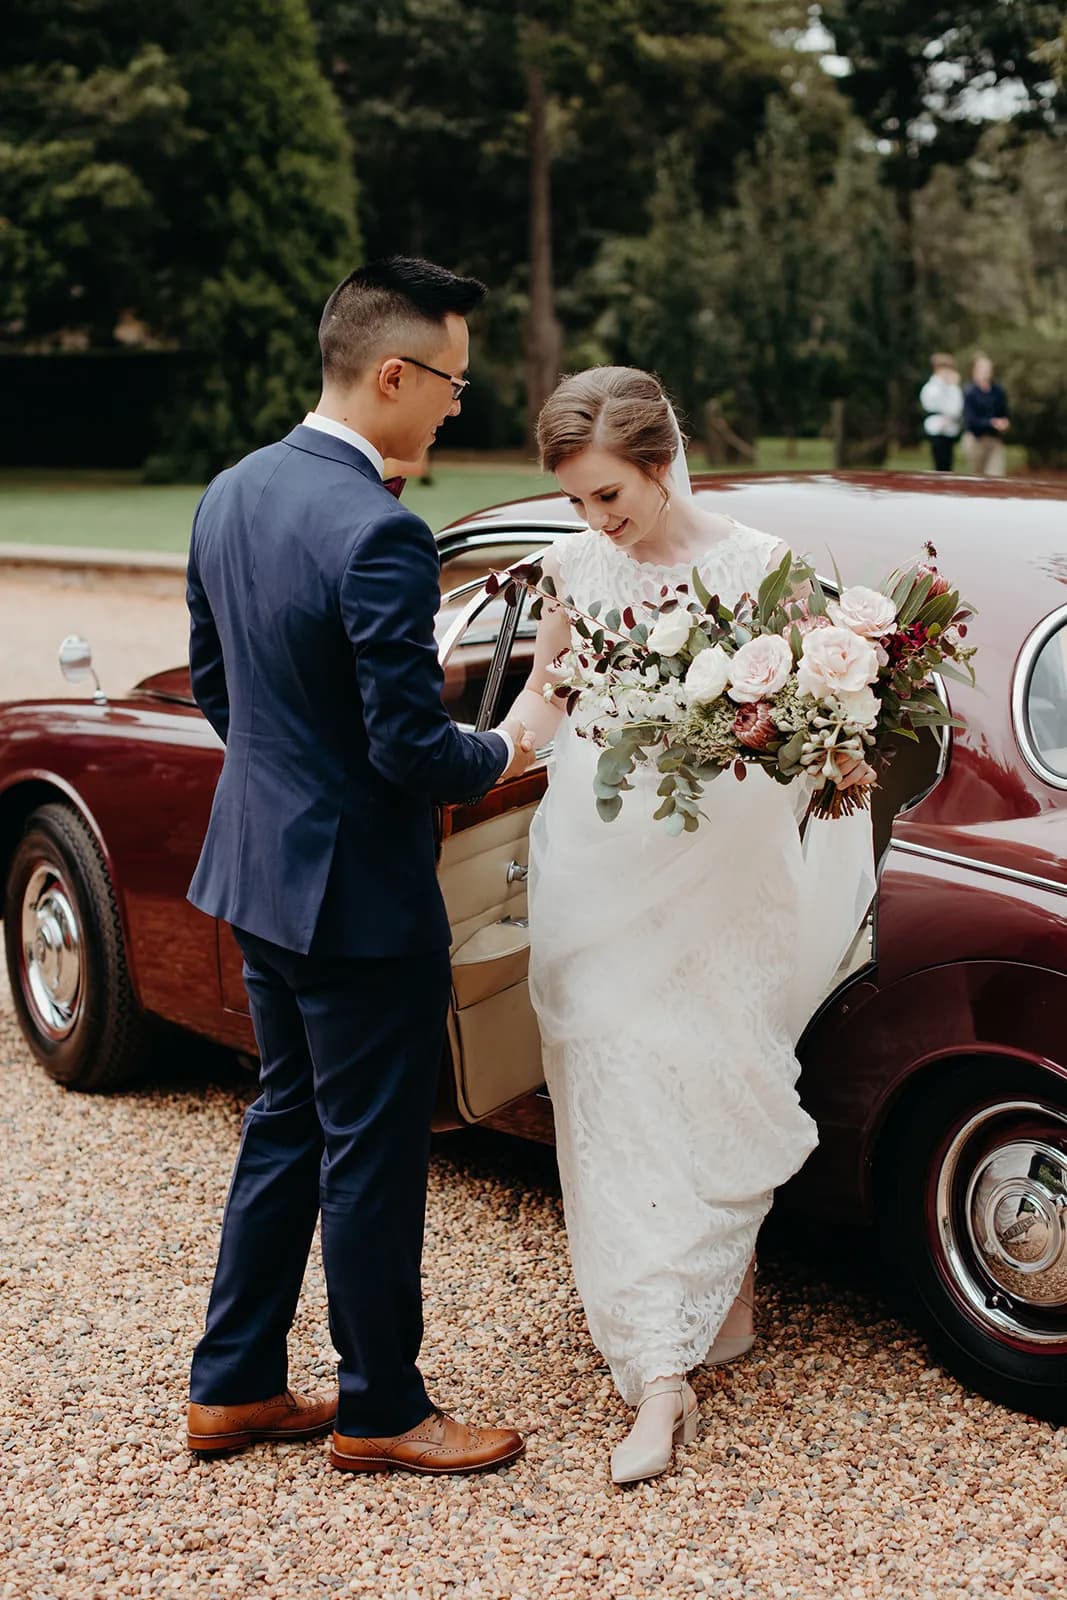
{"type": "Point", "coordinates": [859, 706]}
{"type": "Point", "coordinates": [760, 668]}
{"type": "Point", "coordinates": [865, 611]}
{"type": "Point", "coordinates": [670, 633]}
{"type": "Point", "coordinates": [835, 660]}
{"type": "Point", "coordinates": [708, 676]}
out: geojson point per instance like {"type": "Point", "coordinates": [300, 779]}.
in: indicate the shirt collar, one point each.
{"type": "Point", "coordinates": [350, 436]}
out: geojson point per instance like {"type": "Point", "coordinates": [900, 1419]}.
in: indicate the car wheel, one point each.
{"type": "Point", "coordinates": [972, 1207]}
{"type": "Point", "coordinates": [65, 955]}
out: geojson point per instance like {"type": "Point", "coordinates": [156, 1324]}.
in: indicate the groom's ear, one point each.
{"type": "Point", "coordinates": [389, 375]}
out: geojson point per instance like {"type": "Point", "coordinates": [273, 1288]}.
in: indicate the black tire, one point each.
{"type": "Point", "coordinates": [970, 1188]}
{"type": "Point", "coordinates": [76, 1008]}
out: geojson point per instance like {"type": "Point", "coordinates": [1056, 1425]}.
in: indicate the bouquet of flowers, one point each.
{"type": "Point", "coordinates": [792, 679]}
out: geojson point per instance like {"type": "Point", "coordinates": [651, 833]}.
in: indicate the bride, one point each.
{"type": "Point", "coordinates": [666, 971]}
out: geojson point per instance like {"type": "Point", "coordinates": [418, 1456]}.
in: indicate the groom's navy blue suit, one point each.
{"type": "Point", "coordinates": [312, 595]}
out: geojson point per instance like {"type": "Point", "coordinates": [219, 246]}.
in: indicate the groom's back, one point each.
{"type": "Point", "coordinates": [300, 808]}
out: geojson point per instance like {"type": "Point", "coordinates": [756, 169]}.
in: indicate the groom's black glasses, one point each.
{"type": "Point", "coordinates": [458, 384]}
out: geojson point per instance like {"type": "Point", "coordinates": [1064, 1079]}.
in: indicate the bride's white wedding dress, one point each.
{"type": "Point", "coordinates": [671, 977]}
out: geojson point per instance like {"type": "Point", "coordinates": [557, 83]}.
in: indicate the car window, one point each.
{"type": "Point", "coordinates": [471, 625]}
{"type": "Point", "coordinates": [1045, 703]}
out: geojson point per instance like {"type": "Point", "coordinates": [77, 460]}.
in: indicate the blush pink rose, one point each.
{"type": "Point", "coordinates": [835, 660]}
{"type": "Point", "coordinates": [865, 611]}
{"type": "Point", "coordinates": [759, 669]}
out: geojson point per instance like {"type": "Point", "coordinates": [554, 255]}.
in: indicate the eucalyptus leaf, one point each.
{"type": "Point", "coordinates": [665, 810]}
{"type": "Point", "coordinates": [609, 809]}
{"type": "Point", "coordinates": [613, 620]}
{"type": "Point", "coordinates": [675, 824]}
{"type": "Point", "coordinates": [698, 641]}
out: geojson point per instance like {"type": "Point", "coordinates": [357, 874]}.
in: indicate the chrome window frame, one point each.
{"type": "Point", "coordinates": [1032, 648]}
{"type": "Point", "coordinates": [480, 600]}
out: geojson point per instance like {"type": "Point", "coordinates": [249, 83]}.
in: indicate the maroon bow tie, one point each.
{"type": "Point", "coordinates": [395, 485]}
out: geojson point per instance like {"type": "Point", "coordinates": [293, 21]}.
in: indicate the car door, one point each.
{"type": "Point", "coordinates": [486, 652]}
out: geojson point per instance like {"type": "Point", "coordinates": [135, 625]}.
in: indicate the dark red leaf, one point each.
{"type": "Point", "coordinates": [492, 584]}
{"type": "Point", "coordinates": [739, 771]}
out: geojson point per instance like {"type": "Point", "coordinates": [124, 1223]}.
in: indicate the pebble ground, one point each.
{"type": "Point", "coordinates": [834, 1461]}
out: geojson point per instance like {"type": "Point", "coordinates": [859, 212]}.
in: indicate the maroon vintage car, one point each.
{"type": "Point", "coordinates": [937, 1064]}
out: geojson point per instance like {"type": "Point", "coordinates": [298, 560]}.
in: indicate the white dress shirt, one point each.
{"type": "Point", "coordinates": [339, 430]}
{"type": "Point", "coordinates": [350, 436]}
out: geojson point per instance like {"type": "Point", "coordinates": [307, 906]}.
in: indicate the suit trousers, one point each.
{"type": "Point", "coordinates": [986, 455]}
{"type": "Point", "coordinates": [350, 1052]}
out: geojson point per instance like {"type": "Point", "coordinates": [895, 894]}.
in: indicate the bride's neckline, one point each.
{"type": "Point", "coordinates": [674, 566]}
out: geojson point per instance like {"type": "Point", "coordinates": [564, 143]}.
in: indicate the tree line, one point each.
{"type": "Point", "coordinates": [685, 185]}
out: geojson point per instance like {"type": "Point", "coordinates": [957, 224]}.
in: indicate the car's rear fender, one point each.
{"type": "Point", "coordinates": [868, 1060]}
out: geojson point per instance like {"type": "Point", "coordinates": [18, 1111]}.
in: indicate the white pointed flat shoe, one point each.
{"type": "Point", "coordinates": [632, 1463]}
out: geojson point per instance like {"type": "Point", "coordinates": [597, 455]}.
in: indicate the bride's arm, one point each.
{"type": "Point", "coordinates": [540, 717]}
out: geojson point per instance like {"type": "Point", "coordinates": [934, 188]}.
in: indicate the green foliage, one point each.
{"type": "Point", "coordinates": [201, 183]}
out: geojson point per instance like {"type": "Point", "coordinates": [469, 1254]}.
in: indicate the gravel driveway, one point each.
{"type": "Point", "coordinates": [835, 1461]}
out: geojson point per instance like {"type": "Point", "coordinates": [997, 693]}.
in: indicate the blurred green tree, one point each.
{"type": "Point", "coordinates": [199, 185]}
{"type": "Point", "coordinates": [925, 77]}
{"type": "Point", "coordinates": [510, 141]}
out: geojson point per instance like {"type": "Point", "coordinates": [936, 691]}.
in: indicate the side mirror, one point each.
{"type": "Point", "coordinates": [76, 664]}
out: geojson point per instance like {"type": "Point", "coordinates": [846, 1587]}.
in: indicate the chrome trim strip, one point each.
{"type": "Point", "coordinates": [505, 534]}
{"type": "Point", "coordinates": [1032, 879]}
{"type": "Point", "coordinates": [1024, 669]}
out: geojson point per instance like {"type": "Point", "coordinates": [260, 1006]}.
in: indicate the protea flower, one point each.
{"type": "Point", "coordinates": [754, 726]}
{"type": "Point", "coordinates": [938, 585]}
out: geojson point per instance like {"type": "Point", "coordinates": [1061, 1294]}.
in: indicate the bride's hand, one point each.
{"type": "Point", "coordinates": [854, 769]}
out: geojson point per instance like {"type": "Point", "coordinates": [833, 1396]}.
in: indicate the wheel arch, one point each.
{"type": "Point", "coordinates": [899, 1105]}
{"type": "Point", "coordinates": [24, 795]}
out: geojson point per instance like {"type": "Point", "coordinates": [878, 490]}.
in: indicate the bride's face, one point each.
{"type": "Point", "coordinates": [614, 496]}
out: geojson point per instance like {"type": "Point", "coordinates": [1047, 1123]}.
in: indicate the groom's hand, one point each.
{"type": "Point", "coordinates": [525, 747]}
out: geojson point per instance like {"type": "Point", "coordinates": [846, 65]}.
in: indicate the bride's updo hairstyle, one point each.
{"type": "Point", "coordinates": [619, 409]}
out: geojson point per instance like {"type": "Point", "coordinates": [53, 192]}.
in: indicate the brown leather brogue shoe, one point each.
{"type": "Point", "coordinates": [438, 1445]}
{"type": "Point", "coordinates": [212, 1429]}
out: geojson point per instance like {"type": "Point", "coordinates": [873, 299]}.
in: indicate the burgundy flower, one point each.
{"type": "Point", "coordinates": [754, 725]}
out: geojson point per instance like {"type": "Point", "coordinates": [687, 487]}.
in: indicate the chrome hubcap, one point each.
{"type": "Point", "coordinates": [1001, 1202]}
{"type": "Point", "coordinates": [51, 953]}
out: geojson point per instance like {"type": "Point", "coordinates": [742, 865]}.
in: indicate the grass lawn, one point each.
{"type": "Point", "coordinates": [114, 510]}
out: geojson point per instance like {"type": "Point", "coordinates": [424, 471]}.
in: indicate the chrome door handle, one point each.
{"type": "Point", "coordinates": [517, 871]}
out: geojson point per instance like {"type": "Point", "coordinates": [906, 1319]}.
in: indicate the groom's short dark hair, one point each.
{"type": "Point", "coordinates": [399, 301]}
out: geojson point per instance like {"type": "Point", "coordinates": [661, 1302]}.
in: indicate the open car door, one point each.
{"type": "Point", "coordinates": [493, 1036]}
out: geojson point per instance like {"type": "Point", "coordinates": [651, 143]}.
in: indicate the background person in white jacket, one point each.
{"type": "Point", "coordinates": [941, 397]}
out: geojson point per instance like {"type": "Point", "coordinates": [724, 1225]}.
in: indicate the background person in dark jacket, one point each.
{"type": "Point", "coordinates": [985, 421]}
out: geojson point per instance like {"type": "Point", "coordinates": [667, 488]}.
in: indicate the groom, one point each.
{"type": "Point", "coordinates": [312, 594]}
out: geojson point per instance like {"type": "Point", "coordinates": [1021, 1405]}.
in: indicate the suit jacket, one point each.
{"type": "Point", "coordinates": [312, 595]}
